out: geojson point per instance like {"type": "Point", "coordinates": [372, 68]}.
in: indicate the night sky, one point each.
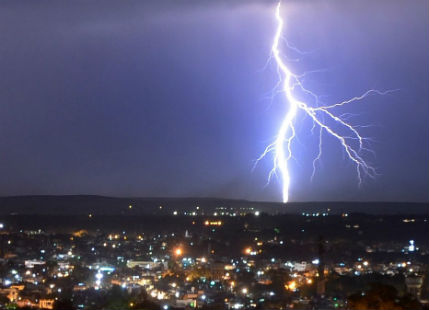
{"type": "Point", "coordinates": [140, 98]}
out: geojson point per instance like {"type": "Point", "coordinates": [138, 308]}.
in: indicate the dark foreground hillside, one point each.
{"type": "Point", "coordinates": [85, 204]}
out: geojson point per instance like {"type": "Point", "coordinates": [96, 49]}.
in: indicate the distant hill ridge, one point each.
{"type": "Point", "coordinates": [92, 204]}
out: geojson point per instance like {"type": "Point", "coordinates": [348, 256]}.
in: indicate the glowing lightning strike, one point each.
{"type": "Point", "coordinates": [320, 115]}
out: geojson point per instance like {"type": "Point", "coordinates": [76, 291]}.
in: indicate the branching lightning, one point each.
{"type": "Point", "coordinates": [321, 116]}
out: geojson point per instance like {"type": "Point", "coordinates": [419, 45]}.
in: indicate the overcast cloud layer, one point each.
{"type": "Point", "coordinates": [138, 98]}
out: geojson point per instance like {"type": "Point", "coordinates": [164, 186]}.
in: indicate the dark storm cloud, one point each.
{"type": "Point", "coordinates": [166, 98]}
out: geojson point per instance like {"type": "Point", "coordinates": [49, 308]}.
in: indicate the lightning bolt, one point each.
{"type": "Point", "coordinates": [321, 116]}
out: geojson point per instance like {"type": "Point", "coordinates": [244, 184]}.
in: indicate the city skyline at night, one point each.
{"type": "Point", "coordinates": [214, 155]}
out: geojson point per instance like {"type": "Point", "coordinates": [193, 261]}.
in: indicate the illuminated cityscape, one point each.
{"type": "Point", "coordinates": [214, 155]}
{"type": "Point", "coordinates": [221, 258]}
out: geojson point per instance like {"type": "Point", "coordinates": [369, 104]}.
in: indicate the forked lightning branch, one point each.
{"type": "Point", "coordinates": [282, 148]}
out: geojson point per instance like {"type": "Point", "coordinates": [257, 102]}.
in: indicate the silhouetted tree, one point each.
{"type": "Point", "coordinates": [381, 297]}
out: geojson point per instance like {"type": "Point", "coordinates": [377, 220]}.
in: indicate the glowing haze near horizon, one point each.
{"type": "Point", "coordinates": [172, 98]}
